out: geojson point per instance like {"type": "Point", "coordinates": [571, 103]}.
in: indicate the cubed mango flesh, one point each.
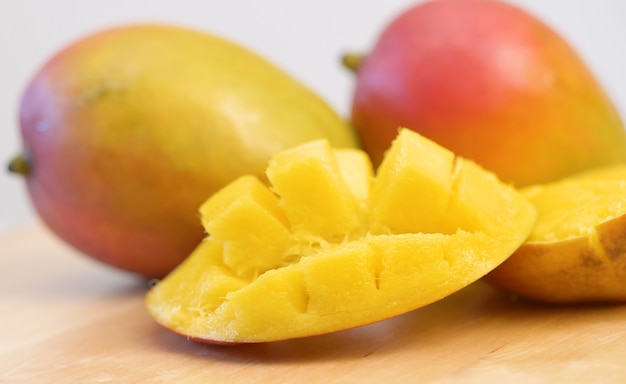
{"type": "Point", "coordinates": [331, 245]}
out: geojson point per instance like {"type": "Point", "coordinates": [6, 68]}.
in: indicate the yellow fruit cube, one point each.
{"type": "Point", "coordinates": [248, 207]}
{"type": "Point", "coordinates": [313, 192]}
{"type": "Point", "coordinates": [413, 187]}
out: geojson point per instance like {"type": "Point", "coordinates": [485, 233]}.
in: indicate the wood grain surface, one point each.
{"type": "Point", "coordinates": [67, 319]}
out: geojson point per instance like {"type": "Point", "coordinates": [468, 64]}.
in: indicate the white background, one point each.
{"type": "Point", "coordinates": [305, 38]}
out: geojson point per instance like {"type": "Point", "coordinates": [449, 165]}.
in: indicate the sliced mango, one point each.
{"type": "Point", "coordinates": [577, 250]}
{"type": "Point", "coordinates": [330, 245]}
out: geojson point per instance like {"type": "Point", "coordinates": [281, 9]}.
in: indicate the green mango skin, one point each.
{"type": "Point", "coordinates": [129, 130]}
{"type": "Point", "coordinates": [492, 83]}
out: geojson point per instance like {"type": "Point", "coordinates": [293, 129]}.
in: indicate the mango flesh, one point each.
{"type": "Point", "coordinates": [575, 253]}
{"type": "Point", "coordinates": [323, 248]}
{"type": "Point", "coordinates": [492, 83]}
{"type": "Point", "coordinates": [128, 130]}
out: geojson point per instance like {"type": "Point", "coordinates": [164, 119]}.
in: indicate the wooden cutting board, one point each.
{"type": "Point", "coordinates": [67, 319]}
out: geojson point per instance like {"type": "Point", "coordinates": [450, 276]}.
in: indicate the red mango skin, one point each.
{"type": "Point", "coordinates": [492, 83]}
{"type": "Point", "coordinates": [79, 183]}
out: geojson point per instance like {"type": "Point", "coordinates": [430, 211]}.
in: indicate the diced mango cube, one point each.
{"type": "Point", "coordinates": [412, 188]}
{"type": "Point", "coordinates": [246, 206]}
{"type": "Point", "coordinates": [313, 192]}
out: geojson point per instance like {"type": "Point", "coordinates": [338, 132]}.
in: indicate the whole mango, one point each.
{"type": "Point", "coordinates": [491, 82]}
{"type": "Point", "coordinates": [128, 130]}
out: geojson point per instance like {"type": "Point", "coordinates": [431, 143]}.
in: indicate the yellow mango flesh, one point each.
{"type": "Point", "coordinates": [413, 188]}
{"type": "Point", "coordinates": [314, 194]}
{"type": "Point", "coordinates": [574, 208]}
{"type": "Point", "coordinates": [325, 248]}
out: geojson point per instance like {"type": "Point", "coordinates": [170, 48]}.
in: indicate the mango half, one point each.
{"type": "Point", "coordinates": [329, 246]}
{"type": "Point", "coordinates": [577, 251]}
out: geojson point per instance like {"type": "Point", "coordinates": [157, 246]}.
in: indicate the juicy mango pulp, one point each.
{"type": "Point", "coordinates": [574, 206]}
{"type": "Point", "coordinates": [329, 245]}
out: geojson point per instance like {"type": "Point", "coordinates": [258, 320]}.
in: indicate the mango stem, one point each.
{"type": "Point", "coordinates": [352, 61]}
{"type": "Point", "coordinates": [20, 165]}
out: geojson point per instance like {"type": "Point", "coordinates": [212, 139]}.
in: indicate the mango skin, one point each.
{"type": "Point", "coordinates": [492, 83]}
{"type": "Point", "coordinates": [130, 129]}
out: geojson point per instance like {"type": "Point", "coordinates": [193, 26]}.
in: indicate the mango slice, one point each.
{"type": "Point", "coordinates": [330, 246]}
{"type": "Point", "coordinates": [577, 251]}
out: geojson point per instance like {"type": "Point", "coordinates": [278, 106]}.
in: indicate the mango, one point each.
{"type": "Point", "coordinates": [330, 244]}
{"type": "Point", "coordinates": [492, 83]}
{"type": "Point", "coordinates": [128, 130]}
{"type": "Point", "coordinates": [575, 253]}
